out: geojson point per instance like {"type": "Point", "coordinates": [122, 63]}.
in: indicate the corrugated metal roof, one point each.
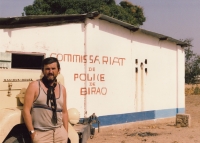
{"type": "Point", "coordinates": [47, 20]}
{"type": "Point", "coordinates": [133, 28]}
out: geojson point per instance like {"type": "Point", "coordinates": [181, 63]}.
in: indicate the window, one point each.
{"type": "Point", "coordinates": [26, 61]}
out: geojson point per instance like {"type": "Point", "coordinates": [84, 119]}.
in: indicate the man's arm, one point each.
{"type": "Point", "coordinates": [28, 101]}
{"type": "Point", "coordinates": [64, 110]}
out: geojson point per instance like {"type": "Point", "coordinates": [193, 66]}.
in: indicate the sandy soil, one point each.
{"type": "Point", "coordinates": [154, 131]}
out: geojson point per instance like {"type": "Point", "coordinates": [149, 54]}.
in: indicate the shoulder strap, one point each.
{"type": "Point", "coordinates": [38, 91]}
{"type": "Point", "coordinates": [60, 90]}
{"type": "Point", "coordinates": [39, 86]}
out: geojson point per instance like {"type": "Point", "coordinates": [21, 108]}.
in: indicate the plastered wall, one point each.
{"type": "Point", "coordinates": [104, 67]}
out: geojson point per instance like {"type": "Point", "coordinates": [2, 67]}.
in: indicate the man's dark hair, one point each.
{"type": "Point", "coordinates": [50, 60]}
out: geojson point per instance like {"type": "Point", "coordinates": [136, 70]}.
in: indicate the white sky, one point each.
{"type": "Point", "coordinates": [178, 19]}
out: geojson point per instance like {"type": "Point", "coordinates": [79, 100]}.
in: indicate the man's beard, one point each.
{"type": "Point", "coordinates": [49, 80]}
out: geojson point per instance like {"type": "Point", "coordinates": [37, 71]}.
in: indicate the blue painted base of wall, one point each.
{"type": "Point", "coordinates": [138, 116]}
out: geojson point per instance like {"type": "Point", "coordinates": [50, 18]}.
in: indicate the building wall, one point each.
{"type": "Point", "coordinates": [98, 61]}
{"type": "Point", "coordinates": [157, 93]}
{"type": "Point", "coordinates": [56, 41]}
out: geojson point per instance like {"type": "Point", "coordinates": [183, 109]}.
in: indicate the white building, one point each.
{"type": "Point", "coordinates": [111, 68]}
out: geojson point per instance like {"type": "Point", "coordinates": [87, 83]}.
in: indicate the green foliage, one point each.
{"type": "Point", "coordinates": [126, 11]}
{"type": "Point", "coordinates": [134, 14]}
{"type": "Point", "coordinates": [192, 64]}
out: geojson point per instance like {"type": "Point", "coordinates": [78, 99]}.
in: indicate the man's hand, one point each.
{"type": "Point", "coordinates": [32, 135]}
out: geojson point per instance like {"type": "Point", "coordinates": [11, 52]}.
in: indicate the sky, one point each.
{"type": "Point", "coordinates": [178, 19]}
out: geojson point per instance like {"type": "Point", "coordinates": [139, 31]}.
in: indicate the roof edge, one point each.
{"type": "Point", "coordinates": [48, 20]}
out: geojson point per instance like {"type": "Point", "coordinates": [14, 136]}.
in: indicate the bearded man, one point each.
{"type": "Point", "coordinates": [45, 106]}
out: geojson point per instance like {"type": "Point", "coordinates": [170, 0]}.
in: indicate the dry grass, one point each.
{"type": "Point", "coordinates": [192, 89]}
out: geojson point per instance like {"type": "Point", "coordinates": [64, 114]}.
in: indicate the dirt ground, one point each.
{"type": "Point", "coordinates": [154, 131]}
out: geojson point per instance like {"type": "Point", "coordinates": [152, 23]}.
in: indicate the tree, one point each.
{"type": "Point", "coordinates": [192, 64]}
{"type": "Point", "coordinates": [126, 11]}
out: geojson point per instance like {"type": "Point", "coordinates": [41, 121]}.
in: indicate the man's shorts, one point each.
{"type": "Point", "coordinates": [58, 135]}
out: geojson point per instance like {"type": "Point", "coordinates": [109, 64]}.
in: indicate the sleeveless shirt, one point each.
{"type": "Point", "coordinates": [42, 114]}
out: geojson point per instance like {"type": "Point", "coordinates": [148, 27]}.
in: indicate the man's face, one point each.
{"type": "Point", "coordinates": [51, 71]}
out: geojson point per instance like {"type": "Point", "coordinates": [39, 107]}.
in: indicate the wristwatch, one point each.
{"type": "Point", "coordinates": [31, 132]}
